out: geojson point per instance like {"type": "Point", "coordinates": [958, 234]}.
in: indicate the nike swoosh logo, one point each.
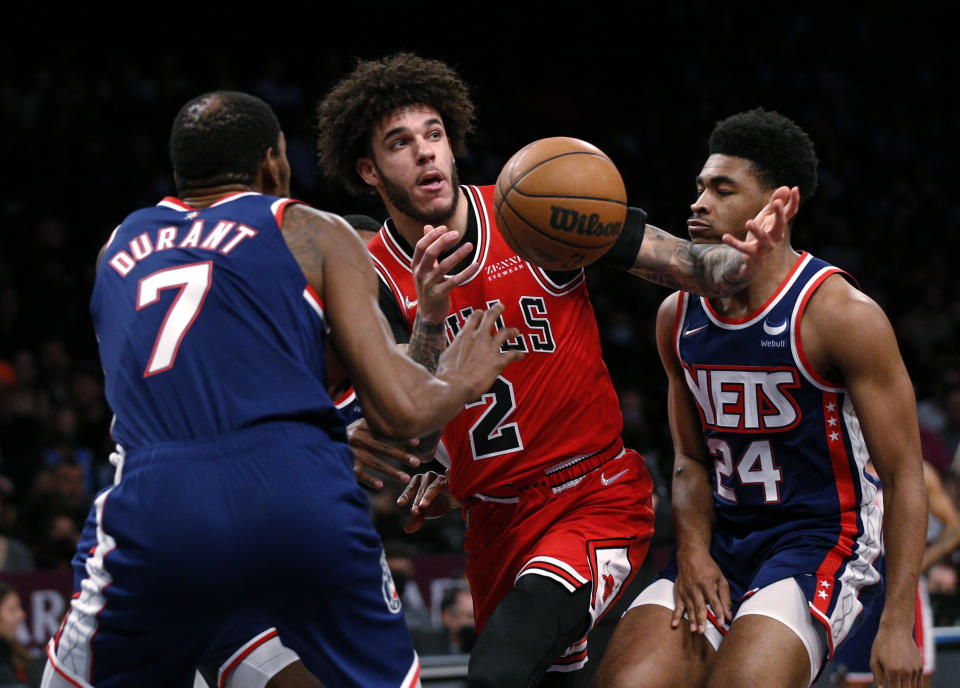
{"type": "Point", "coordinates": [694, 330]}
{"type": "Point", "coordinates": [613, 478]}
{"type": "Point", "coordinates": [774, 330]}
{"type": "Point", "coordinates": [408, 303]}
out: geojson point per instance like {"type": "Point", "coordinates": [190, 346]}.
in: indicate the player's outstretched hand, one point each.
{"type": "Point", "coordinates": [430, 272]}
{"type": "Point", "coordinates": [699, 583]}
{"type": "Point", "coordinates": [428, 496]}
{"type": "Point", "coordinates": [372, 453]}
{"type": "Point", "coordinates": [895, 660]}
{"type": "Point", "coordinates": [766, 230]}
{"type": "Point", "coordinates": [474, 359]}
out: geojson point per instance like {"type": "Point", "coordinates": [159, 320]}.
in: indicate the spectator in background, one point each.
{"type": "Point", "coordinates": [456, 613]}
{"type": "Point", "coordinates": [457, 633]}
{"type": "Point", "coordinates": [13, 656]}
{"type": "Point", "coordinates": [14, 554]}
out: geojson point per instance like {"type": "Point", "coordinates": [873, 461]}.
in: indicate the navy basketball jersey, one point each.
{"type": "Point", "coordinates": [207, 324]}
{"type": "Point", "coordinates": [787, 442]}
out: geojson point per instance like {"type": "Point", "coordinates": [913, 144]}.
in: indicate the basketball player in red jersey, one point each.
{"type": "Point", "coordinates": [558, 511]}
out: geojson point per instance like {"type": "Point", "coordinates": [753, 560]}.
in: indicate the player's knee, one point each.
{"type": "Point", "coordinates": [633, 675]}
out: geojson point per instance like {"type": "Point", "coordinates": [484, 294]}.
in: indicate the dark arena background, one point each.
{"type": "Point", "coordinates": [86, 114]}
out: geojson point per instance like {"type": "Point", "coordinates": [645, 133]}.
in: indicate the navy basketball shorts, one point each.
{"type": "Point", "coordinates": [202, 546]}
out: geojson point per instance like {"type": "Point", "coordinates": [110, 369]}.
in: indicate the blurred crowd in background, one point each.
{"type": "Point", "coordinates": [84, 143]}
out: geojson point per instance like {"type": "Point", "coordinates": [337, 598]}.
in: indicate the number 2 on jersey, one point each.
{"type": "Point", "coordinates": [193, 282]}
{"type": "Point", "coordinates": [489, 436]}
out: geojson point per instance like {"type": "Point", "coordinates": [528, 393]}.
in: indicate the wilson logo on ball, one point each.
{"type": "Point", "coordinates": [569, 220]}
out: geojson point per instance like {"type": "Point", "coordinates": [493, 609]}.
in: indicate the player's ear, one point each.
{"type": "Point", "coordinates": [268, 172]}
{"type": "Point", "coordinates": [368, 171]}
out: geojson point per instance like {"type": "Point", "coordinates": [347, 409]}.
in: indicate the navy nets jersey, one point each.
{"type": "Point", "coordinates": [206, 323]}
{"type": "Point", "coordinates": [789, 484]}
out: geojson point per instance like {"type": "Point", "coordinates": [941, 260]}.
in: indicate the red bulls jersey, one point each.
{"type": "Point", "coordinates": [556, 405]}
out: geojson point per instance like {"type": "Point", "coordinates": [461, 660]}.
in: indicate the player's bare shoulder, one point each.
{"type": "Point", "coordinates": [666, 321]}
{"type": "Point", "coordinates": [312, 234]}
{"type": "Point", "coordinates": [840, 324]}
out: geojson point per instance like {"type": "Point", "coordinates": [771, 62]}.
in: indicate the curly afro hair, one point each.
{"type": "Point", "coordinates": [780, 151]}
{"type": "Point", "coordinates": [348, 114]}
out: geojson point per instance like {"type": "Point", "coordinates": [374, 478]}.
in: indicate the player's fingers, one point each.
{"type": "Point", "coordinates": [505, 333]}
{"type": "Point", "coordinates": [726, 605]}
{"type": "Point", "coordinates": [410, 490]}
{"type": "Point", "coordinates": [736, 243]}
{"type": "Point", "coordinates": [700, 613]}
{"type": "Point", "coordinates": [461, 277]}
{"type": "Point", "coordinates": [375, 463]}
{"type": "Point", "coordinates": [384, 450]}
{"type": "Point", "coordinates": [365, 478]}
{"type": "Point", "coordinates": [430, 235]}
{"type": "Point", "coordinates": [451, 261]}
{"type": "Point", "coordinates": [678, 609]}
{"type": "Point", "coordinates": [476, 317]}
{"type": "Point", "coordinates": [431, 253]}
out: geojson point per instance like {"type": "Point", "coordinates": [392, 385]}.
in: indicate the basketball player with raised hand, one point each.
{"type": "Point", "coordinates": [779, 395]}
{"type": "Point", "coordinates": [235, 517]}
{"type": "Point", "coordinates": [558, 511]}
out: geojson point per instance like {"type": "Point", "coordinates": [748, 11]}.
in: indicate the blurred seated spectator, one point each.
{"type": "Point", "coordinates": [457, 634]}
{"type": "Point", "coordinates": [14, 554]}
{"type": "Point", "coordinates": [14, 658]}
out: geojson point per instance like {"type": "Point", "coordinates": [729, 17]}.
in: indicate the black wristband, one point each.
{"type": "Point", "coordinates": [623, 253]}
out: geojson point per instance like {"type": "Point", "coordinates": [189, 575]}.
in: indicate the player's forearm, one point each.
{"type": "Point", "coordinates": [692, 505]}
{"type": "Point", "coordinates": [904, 528]}
{"type": "Point", "coordinates": [427, 343]}
{"type": "Point", "coordinates": [711, 270]}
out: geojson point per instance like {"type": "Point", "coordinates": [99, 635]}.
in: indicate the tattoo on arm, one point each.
{"type": "Point", "coordinates": [427, 342]}
{"type": "Point", "coordinates": [707, 269]}
{"type": "Point", "coordinates": [299, 231]}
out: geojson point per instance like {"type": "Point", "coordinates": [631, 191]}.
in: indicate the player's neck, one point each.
{"type": "Point", "coordinates": [411, 228]}
{"type": "Point", "coordinates": [764, 284]}
{"type": "Point", "coordinates": [203, 198]}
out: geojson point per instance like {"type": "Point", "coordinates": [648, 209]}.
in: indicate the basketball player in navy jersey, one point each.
{"type": "Point", "coordinates": [558, 522]}
{"type": "Point", "coordinates": [779, 395]}
{"type": "Point", "coordinates": [235, 519]}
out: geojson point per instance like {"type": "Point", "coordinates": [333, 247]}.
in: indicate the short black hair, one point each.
{"type": "Point", "coordinates": [780, 151]}
{"type": "Point", "coordinates": [220, 138]}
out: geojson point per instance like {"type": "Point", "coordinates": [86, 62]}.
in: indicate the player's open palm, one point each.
{"type": "Point", "coordinates": [699, 583]}
{"type": "Point", "coordinates": [430, 271]}
{"type": "Point", "coordinates": [895, 660]}
{"type": "Point", "coordinates": [766, 230]}
{"type": "Point", "coordinates": [474, 359]}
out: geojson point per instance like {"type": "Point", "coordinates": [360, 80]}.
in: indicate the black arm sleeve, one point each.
{"type": "Point", "coordinates": [391, 311]}
{"type": "Point", "coordinates": [623, 253]}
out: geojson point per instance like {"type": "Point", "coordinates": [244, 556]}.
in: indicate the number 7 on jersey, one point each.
{"type": "Point", "coordinates": [193, 282]}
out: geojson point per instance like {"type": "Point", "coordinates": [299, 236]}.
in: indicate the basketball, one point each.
{"type": "Point", "coordinates": [560, 203]}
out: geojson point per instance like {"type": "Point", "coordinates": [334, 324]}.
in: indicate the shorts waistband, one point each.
{"type": "Point", "coordinates": [557, 476]}
{"type": "Point", "coordinates": [218, 446]}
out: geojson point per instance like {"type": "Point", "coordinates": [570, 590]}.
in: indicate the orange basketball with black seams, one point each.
{"type": "Point", "coordinates": [560, 203]}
